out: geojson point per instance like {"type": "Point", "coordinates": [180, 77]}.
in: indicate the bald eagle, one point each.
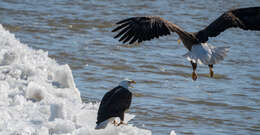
{"type": "Point", "coordinates": [138, 29]}
{"type": "Point", "coordinates": [114, 104]}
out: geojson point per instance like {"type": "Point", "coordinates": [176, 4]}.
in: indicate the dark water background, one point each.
{"type": "Point", "coordinates": [77, 32]}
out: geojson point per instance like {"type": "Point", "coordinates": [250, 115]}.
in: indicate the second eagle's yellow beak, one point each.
{"type": "Point", "coordinates": [132, 82]}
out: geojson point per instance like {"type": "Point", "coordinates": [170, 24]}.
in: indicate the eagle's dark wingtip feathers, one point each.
{"type": "Point", "coordinates": [144, 28]}
{"type": "Point", "coordinates": [125, 20]}
{"type": "Point", "coordinates": [124, 31]}
{"type": "Point", "coordinates": [121, 26]}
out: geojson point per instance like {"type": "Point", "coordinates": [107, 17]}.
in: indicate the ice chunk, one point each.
{"type": "Point", "coordinates": [35, 92]}
{"type": "Point", "coordinates": [60, 126]}
{"type": "Point", "coordinates": [57, 111]}
{"type": "Point", "coordinates": [7, 58]}
{"type": "Point", "coordinates": [62, 75]}
{"type": "Point", "coordinates": [4, 87]}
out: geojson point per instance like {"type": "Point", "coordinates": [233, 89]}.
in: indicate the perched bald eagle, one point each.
{"type": "Point", "coordinates": [138, 29]}
{"type": "Point", "coordinates": [114, 104]}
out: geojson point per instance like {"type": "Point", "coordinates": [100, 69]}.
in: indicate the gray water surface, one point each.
{"type": "Point", "coordinates": [77, 32]}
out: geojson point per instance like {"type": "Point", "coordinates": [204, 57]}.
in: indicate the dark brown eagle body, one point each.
{"type": "Point", "coordinates": [114, 104]}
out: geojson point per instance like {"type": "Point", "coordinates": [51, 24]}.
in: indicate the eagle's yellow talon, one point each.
{"type": "Point", "coordinates": [211, 73]}
{"type": "Point", "coordinates": [121, 123]}
{"type": "Point", "coordinates": [194, 76]}
{"type": "Point", "coordinates": [179, 41]}
{"type": "Point", "coordinates": [114, 123]}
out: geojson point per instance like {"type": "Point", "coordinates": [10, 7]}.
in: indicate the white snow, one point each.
{"type": "Point", "coordinates": [39, 96]}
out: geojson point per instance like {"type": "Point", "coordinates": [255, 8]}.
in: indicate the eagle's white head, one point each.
{"type": "Point", "coordinates": [127, 83]}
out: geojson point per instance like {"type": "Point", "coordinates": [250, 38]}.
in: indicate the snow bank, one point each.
{"type": "Point", "coordinates": [39, 96]}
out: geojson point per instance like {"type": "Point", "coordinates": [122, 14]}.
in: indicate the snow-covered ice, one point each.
{"type": "Point", "coordinates": [39, 96]}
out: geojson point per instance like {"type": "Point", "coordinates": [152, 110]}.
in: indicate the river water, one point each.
{"type": "Point", "coordinates": [78, 33]}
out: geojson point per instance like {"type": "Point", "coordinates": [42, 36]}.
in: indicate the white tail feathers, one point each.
{"type": "Point", "coordinates": [206, 54]}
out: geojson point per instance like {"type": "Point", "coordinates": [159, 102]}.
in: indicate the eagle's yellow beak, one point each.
{"type": "Point", "coordinates": [132, 82]}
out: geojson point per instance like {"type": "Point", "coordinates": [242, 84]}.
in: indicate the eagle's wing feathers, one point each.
{"type": "Point", "coordinates": [244, 18]}
{"type": "Point", "coordinates": [138, 29]}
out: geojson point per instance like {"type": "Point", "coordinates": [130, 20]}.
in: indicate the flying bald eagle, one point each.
{"type": "Point", "coordinates": [114, 104]}
{"type": "Point", "coordinates": [138, 29]}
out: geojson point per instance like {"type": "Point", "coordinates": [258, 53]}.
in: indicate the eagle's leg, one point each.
{"type": "Point", "coordinates": [211, 72]}
{"type": "Point", "coordinates": [122, 120]}
{"type": "Point", "coordinates": [194, 74]}
{"type": "Point", "coordinates": [114, 123]}
{"type": "Point", "coordinates": [122, 123]}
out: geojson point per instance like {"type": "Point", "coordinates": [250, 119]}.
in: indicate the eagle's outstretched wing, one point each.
{"type": "Point", "coordinates": [244, 18]}
{"type": "Point", "coordinates": [145, 28]}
